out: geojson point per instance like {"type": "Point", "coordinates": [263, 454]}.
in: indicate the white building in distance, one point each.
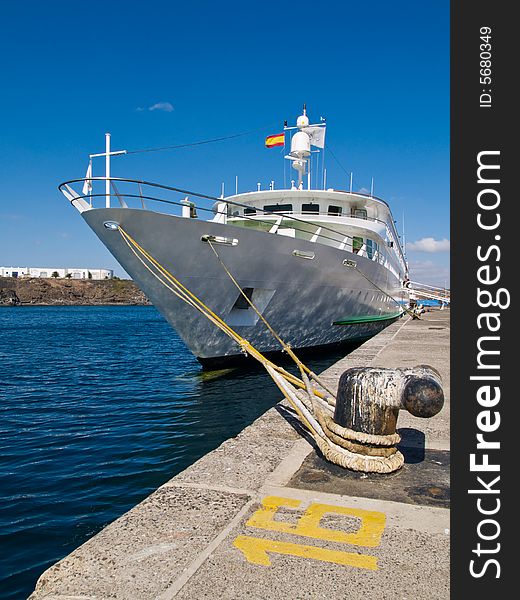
{"type": "Point", "coordinates": [46, 272]}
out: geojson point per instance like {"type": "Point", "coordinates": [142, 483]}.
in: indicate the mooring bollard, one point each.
{"type": "Point", "coordinates": [368, 404]}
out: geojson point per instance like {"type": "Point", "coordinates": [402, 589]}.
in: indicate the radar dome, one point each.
{"type": "Point", "coordinates": [302, 121]}
{"type": "Point", "coordinates": [300, 144]}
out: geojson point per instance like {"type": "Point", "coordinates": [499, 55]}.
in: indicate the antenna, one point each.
{"type": "Point", "coordinates": [107, 170]}
{"type": "Point", "coordinates": [404, 238]}
{"type": "Point", "coordinates": [324, 170]}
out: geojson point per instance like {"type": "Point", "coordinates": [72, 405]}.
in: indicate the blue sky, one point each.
{"type": "Point", "coordinates": [378, 71]}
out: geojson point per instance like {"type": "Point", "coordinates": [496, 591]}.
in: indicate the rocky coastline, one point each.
{"type": "Point", "coordinates": [69, 292]}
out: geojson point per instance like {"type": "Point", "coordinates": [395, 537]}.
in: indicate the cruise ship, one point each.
{"type": "Point", "coordinates": [321, 266]}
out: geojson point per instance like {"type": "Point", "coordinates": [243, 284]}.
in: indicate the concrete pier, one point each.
{"type": "Point", "coordinates": [265, 517]}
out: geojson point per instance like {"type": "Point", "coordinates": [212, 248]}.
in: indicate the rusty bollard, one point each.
{"type": "Point", "coordinates": [367, 406]}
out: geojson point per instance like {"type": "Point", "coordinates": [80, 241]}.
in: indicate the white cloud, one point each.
{"type": "Point", "coordinates": [426, 271]}
{"type": "Point", "coordinates": [162, 106]}
{"type": "Point", "coordinates": [429, 244]}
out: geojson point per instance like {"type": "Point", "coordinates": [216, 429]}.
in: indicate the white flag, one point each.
{"type": "Point", "coordinates": [317, 135]}
{"type": "Point", "coordinates": [87, 186]}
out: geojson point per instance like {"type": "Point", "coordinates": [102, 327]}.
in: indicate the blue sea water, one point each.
{"type": "Point", "coordinates": [100, 406]}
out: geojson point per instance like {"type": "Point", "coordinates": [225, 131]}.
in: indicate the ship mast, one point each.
{"type": "Point", "coordinates": [301, 142]}
{"type": "Point", "coordinates": [107, 154]}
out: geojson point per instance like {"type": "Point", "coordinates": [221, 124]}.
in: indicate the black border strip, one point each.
{"type": "Point", "coordinates": [479, 127]}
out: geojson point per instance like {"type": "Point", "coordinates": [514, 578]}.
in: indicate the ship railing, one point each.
{"type": "Point", "coordinates": [416, 284]}
{"type": "Point", "coordinates": [390, 229]}
{"type": "Point", "coordinates": [310, 214]}
{"type": "Point", "coordinates": [138, 194]}
{"type": "Point", "coordinates": [430, 292]}
{"type": "Point", "coordinates": [279, 216]}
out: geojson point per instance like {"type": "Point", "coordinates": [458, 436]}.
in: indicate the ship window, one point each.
{"type": "Point", "coordinates": [241, 302]}
{"type": "Point", "coordinates": [334, 210]}
{"type": "Point", "coordinates": [360, 213]}
{"type": "Point", "coordinates": [311, 208]}
{"type": "Point", "coordinates": [372, 248]}
{"type": "Point", "coordinates": [357, 243]}
{"type": "Point", "coordinates": [278, 208]}
{"type": "Point", "coordinates": [250, 211]}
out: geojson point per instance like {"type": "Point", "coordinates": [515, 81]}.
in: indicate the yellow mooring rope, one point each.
{"type": "Point", "coordinates": [304, 370]}
{"type": "Point", "coordinates": [314, 408]}
{"type": "Point", "coordinates": [177, 288]}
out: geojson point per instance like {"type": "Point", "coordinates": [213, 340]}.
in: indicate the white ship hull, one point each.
{"type": "Point", "coordinates": [309, 301]}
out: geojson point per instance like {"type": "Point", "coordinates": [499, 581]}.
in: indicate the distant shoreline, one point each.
{"type": "Point", "coordinates": [28, 305]}
{"type": "Point", "coordinates": [20, 292]}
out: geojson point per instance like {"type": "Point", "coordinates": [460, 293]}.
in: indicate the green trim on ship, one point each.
{"type": "Point", "coordinates": [368, 319]}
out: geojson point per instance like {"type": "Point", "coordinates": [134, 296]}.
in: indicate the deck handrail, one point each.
{"type": "Point", "coordinates": [142, 197]}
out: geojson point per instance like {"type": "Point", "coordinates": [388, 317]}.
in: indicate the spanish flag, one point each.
{"type": "Point", "coordinates": [275, 140]}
